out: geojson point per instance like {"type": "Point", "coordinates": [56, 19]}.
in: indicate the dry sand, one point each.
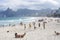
{"type": "Point", "coordinates": [33, 34]}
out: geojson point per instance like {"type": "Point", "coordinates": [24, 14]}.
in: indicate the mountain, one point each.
{"type": "Point", "coordinates": [7, 13]}
{"type": "Point", "coordinates": [28, 12]}
{"type": "Point", "coordinates": [45, 12]}
{"type": "Point", "coordinates": [24, 12]}
{"type": "Point", "coordinates": [57, 13]}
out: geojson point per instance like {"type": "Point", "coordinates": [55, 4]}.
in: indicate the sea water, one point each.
{"type": "Point", "coordinates": [15, 20]}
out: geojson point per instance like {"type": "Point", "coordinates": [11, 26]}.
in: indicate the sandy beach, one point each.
{"type": "Point", "coordinates": [33, 31]}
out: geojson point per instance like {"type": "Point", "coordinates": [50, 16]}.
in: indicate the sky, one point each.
{"type": "Point", "coordinates": [29, 4]}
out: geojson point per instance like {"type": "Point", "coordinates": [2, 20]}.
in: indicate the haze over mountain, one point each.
{"type": "Point", "coordinates": [24, 12]}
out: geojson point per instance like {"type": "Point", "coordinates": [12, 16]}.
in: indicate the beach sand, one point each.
{"type": "Point", "coordinates": [8, 33]}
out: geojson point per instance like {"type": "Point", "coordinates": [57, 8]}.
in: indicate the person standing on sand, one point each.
{"type": "Point", "coordinates": [40, 20]}
{"type": "Point", "coordinates": [24, 26]}
{"type": "Point", "coordinates": [29, 25]}
{"type": "Point", "coordinates": [21, 24]}
{"type": "Point", "coordinates": [34, 25]}
{"type": "Point", "coordinates": [39, 24]}
{"type": "Point", "coordinates": [44, 24]}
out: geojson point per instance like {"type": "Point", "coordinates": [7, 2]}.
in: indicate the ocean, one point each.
{"type": "Point", "coordinates": [15, 20]}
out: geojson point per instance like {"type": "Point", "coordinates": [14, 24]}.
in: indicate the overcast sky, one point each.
{"type": "Point", "coordinates": [30, 4]}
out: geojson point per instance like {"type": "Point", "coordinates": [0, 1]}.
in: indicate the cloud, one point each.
{"type": "Point", "coordinates": [54, 2]}
{"type": "Point", "coordinates": [30, 4]}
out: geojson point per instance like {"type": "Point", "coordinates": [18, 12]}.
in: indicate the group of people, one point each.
{"type": "Point", "coordinates": [30, 26]}
{"type": "Point", "coordinates": [34, 24]}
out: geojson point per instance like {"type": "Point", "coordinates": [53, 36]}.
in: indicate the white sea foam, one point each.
{"type": "Point", "coordinates": [15, 21]}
